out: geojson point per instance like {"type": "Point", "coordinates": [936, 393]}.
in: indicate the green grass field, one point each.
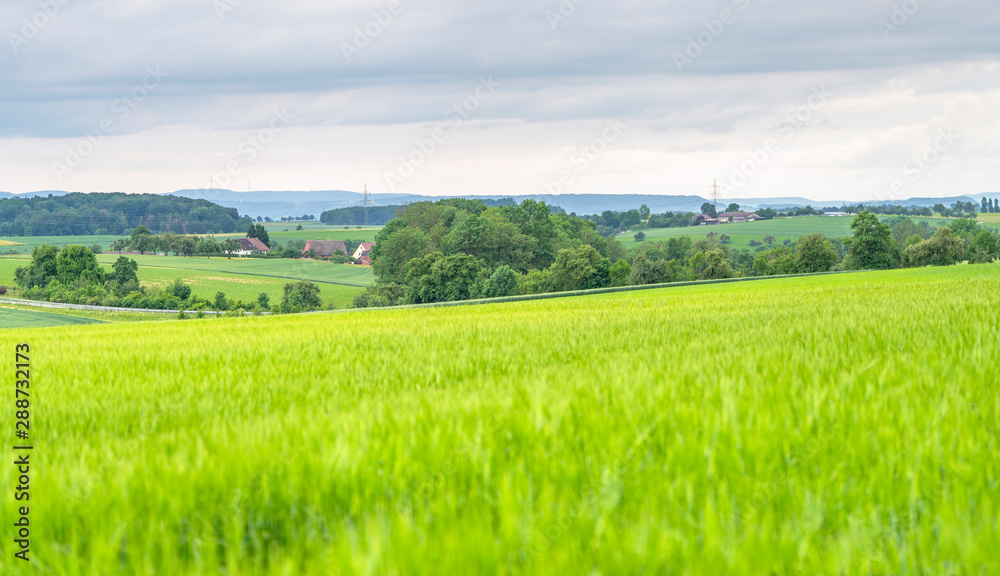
{"type": "Point", "coordinates": [19, 318]}
{"type": "Point", "coordinates": [241, 279]}
{"type": "Point", "coordinates": [316, 270]}
{"type": "Point", "coordinates": [781, 228]}
{"type": "Point", "coordinates": [311, 231]}
{"type": "Point", "coordinates": [26, 243]}
{"type": "Point", "coordinates": [842, 424]}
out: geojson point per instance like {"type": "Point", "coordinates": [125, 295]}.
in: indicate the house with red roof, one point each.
{"type": "Point", "coordinates": [251, 246]}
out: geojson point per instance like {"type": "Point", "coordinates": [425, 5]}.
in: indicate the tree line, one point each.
{"type": "Point", "coordinates": [80, 214]}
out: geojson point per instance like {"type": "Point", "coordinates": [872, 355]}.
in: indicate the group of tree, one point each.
{"type": "Point", "coordinates": [609, 223]}
{"type": "Point", "coordinates": [958, 210]}
{"type": "Point", "coordinates": [73, 275]}
{"type": "Point", "coordinates": [882, 245]}
{"type": "Point", "coordinates": [455, 249]}
{"type": "Point", "coordinates": [114, 213]}
{"type": "Point", "coordinates": [989, 206]}
{"type": "Point", "coordinates": [889, 210]}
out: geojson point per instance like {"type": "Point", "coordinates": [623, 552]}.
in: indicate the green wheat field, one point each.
{"type": "Point", "coordinates": [841, 424]}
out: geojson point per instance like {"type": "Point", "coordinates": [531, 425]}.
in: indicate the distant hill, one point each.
{"type": "Point", "coordinates": [276, 204]}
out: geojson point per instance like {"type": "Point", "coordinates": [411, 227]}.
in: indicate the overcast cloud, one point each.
{"type": "Point", "coordinates": [853, 99]}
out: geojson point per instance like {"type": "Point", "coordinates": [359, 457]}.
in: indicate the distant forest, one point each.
{"type": "Point", "coordinates": [114, 214]}
{"type": "Point", "coordinates": [381, 215]}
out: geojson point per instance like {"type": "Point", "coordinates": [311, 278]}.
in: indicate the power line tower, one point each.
{"type": "Point", "coordinates": [715, 193]}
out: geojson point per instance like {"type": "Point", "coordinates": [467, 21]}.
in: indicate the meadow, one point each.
{"type": "Point", "coordinates": [239, 278]}
{"type": "Point", "coordinates": [19, 318]}
{"type": "Point", "coordinates": [781, 228]}
{"type": "Point", "coordinates": [840, 424]}
{"type": "Point", "coordinates": [312, 231]}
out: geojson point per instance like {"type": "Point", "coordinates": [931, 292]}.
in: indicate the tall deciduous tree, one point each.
{"type": "Point", "coordinates": [75, 263]}
{"type": "Point", "coordinates": [125, 270]}
{"type": "Point", "coordinates": [943, 249]}
{"type": "Point", "coordinates": [872, 247]}
{"type": "Point", "coordinates": [815, 253]}
{"type": "Point", "coordinates": [258, 231]}
{"type": "Point", "coordinates": [42, 270]}
{"type": "Point", "coordinates": [230, 246]}
{"type": "Point", "coordinates": [303, 293]}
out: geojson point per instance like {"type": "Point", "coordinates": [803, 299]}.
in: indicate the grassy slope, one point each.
{"type": "Point", "coordinates": [781, 229]}
{"type": "Point", "coordinates": [208, 276]}
{"type": "Point", "coordinates": [316, 270]}
{"type": "Point", "coordinates": [19, 318]}
{"type": "Point", "coordinates": [789, 426]}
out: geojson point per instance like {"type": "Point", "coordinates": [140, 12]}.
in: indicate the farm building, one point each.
{"type": "Point", "coordinates": [705, 220]}
{"type": "Point", "coordinates": [738, 217]}
{"type": "Point", "coordinates": [251, 246]}
{"type": "Point", "coordinates": [364, 253]}
{"type": "Point", "coordinates": [324, 248]}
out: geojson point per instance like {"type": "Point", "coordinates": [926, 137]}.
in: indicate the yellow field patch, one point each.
{"type": "Point", "coordinates": [9, 243]}
{"type": "Point", "coordinates": [231, 279]}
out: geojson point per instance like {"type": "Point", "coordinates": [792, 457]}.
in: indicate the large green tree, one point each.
{"type": "Point", "coordinates": [302, 294]}
{"type": "Point", "coordinates": [395, 245]}
{"type": "Point", "coordinates": [125, 270]}
{"type": "Point", "coordinates": [943, 249]}
{"type": "Point", "coordinates": [815, 253]}
{"type": "Point", "coordinates": [77, 263]}
{"type": "Point", "coordinates": [573, 268]}
{"type": "Point", "coordinates": [258, 231]}
{"type": "Point", "coordinates": [984, 247]}
{"type": "Point", "coordinates": [872, 247]}
{"type": "Point", "coordinates": [42, 270]}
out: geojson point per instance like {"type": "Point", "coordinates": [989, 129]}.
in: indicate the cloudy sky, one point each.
{"type": "Point", "coordinates": [856, 99]}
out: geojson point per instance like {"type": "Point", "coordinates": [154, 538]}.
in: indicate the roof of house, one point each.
{"type": "Point", "coordinates": [325, 248]}
{"type": "Point", "coordinates": [737, 214]}
{"type": "Point", "coordinates": [252, 244]}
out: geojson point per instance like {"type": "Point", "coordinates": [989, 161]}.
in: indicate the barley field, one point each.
{"type": "Point", "coordinates": [842, 424]}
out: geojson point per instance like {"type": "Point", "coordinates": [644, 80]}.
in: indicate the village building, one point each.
{"type": "Point", "coordinates": [250, 246]}
{"type": "Point", "coordinates": [324, 249]}
{"type": "Point", "coordinates": [727, 217]}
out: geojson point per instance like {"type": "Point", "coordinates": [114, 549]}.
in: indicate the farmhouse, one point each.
{"type": "Point", "coordinates": [738, 217]}
{"type": "Point", "coordinates": [705, 220]}
{"type": "Point", "coordinates": [324, 248]}
{"type": "Point", "coordinates": [251, 246]}
{"type": "Point", "coordinates": [364, 253]}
